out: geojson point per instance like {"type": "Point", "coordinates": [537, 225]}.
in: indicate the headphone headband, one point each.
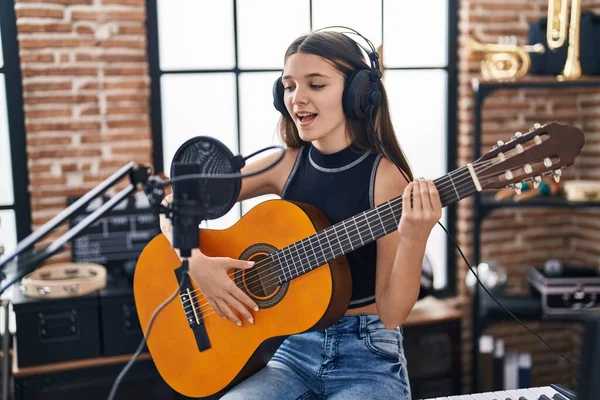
{"type": "Point", "coordinates": [372, 54]}
{"type": "Point", "coordinates": [362, 90]}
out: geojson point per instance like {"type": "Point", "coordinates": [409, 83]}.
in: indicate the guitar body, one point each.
{"type": "Point", "coordinates": [311, 301]}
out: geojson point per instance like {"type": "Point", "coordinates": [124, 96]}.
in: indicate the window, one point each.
{"type": "Point", "coordinates": [15, 216]}
{"type": "Point", "coordinates": [212, 67]}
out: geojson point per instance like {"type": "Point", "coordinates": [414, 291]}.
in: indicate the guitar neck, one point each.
{"type": "Point", "coordinates": [361, 229]}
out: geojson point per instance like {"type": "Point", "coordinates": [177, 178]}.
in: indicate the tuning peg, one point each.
{"type": "Point", "coordinates": [500, 143]}
{"type": "Point", "coordinates": [518, 135]}
{"type": "Point", "coordinates": [536, 181]}
{"type": "Point", "coordinates": [547, 162]}
{"type": "Point", "coordinates": [508, 175]}
{"type": "Point", "coordinates": [536, 126]}
{"type": "Point", "coordinates": [518, 187]}
{"type": "Point", "coordinates": [528, 169]}
{"type": "Point", "coordinates": [557, 174]}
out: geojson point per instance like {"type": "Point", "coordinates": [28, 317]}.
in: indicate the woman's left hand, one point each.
{"type": "Point", "coordinates": [418, 218]}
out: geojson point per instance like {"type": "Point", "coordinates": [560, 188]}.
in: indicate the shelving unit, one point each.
{"type": "Point", "coordinates": [485, 311]}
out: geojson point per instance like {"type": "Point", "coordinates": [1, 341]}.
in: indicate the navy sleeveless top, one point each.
{"type": "Point", "coordinates": [341, 185]}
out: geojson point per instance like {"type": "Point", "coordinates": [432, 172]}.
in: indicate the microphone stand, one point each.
{"type": "Point", "coordinates": [140, 177]}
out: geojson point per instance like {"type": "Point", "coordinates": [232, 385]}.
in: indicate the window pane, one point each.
{"type": "Point", "coordinates": [415, 33]}
{"type": "Point", "coordinates": [8, 232]}
{"type": "Point", "coordinates": [263, 39]}
{"type": "Point", "coordinates": [199, 105]}
{"type": "Point", "coordinates": [258, 117]}
{"type": "Point", "coordinates": [187, 29]}
{"type": "Point", "coordinates": [354, 14]}
{"type": "Point", "coordinates": [6, 195]}
{"type": "Point", "coordinates": [258, 120]}
{"type": "Point", "coordinates": [418, 107]}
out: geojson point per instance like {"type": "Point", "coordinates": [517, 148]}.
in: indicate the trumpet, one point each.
{"type": "Point", "coordinates": [504, 60]}
{"type": "Point", "coordinates": [556, 34]}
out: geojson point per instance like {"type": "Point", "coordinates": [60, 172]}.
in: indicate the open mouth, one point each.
{"type": "Point", "coordinates": [305, 118]}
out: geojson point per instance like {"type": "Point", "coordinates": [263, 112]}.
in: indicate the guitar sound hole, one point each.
{"type": "Point", "coordinates": [261, 281]}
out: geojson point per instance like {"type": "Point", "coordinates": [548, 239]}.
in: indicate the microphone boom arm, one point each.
{"type": "Point", "coordinates": [138, 174]}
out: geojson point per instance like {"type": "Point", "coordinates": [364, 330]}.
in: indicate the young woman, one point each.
{"type": "Point", "coordinates": [342, 162]}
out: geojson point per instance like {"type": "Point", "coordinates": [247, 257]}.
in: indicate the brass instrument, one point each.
{"type": "Point", "coordinates": [504, 60]}
{"type": "Point", "coordinates": [556, 34]}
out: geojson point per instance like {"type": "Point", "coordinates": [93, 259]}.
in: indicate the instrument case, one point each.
{"type": "Point", "coordinates": [573, 291]}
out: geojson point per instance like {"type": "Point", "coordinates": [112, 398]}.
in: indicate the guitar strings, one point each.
{"type": "Point", "coordinates": [351, 236]}
{"type": "Point", "coordinates": [368, 217]}
{"type": "Point", "coordinates": [204, 308]}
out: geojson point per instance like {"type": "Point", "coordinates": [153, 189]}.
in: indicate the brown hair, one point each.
{"type": "Point", "coordinates": [346, 56]}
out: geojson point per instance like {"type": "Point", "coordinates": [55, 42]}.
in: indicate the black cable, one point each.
{"type": "Point", "coordinates": [234, 175]}
{"type": "Point", "coordinates": [464, 258]}
{"type": "Point", "coordinates": [115, 386]}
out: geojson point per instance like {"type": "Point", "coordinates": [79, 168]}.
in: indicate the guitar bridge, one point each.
{"type": "Point", "coordinates": [193, 313]}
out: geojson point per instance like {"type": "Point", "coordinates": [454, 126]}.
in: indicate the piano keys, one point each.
{"type": "Point", "coordinates": [536, 393]}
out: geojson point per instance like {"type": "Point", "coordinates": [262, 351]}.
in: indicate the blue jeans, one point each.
{"type": "Point", "coordinates": [356, 358]}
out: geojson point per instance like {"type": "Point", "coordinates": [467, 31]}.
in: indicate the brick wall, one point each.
{"type": "Point", "coordinates": [86, 96]}
{"type": "Point", "coordinates": [519, 238]}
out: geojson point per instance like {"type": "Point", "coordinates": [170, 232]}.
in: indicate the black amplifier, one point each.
{"type": "Point", "coordinates": [100, 324]}
{"type": "Point", "coordinates": [54, 330]}
{"type": "Point", "coordinates": [566, 290]}
{"type": "Point", "coordinates": [120, 326]}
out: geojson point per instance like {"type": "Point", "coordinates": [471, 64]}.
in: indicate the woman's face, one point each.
{"type": "Point", "coordinates": [313, 91]}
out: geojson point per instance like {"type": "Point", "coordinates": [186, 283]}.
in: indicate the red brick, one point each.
{"type": "Point", "coordinates": [139, 15]}
{"type": "Point", "coordinates": [44, 28]}
{"type": "Point", "coordinates": [46, 86]}
{"type": "Point", "coordinates": [55, 43]}
{"type": "Point", "coordinates": [39, 13]}
{"type": "Point", "coordinates": [48, 113]}
{"type": "Point", "coordinates": [35, 57]}
{"type": "Point", "coordinates": [59, 71]}
{"type": "Point", "coordinates": [64, 99]}
{"type": "Point", "coordinates": [62, 126]}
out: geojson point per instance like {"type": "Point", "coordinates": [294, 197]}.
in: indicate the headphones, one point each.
{"type": "Point", "coordinates": [362, 90]}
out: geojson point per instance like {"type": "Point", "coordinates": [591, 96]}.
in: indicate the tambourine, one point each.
{"type": "Point", "coordinates": [64, 280]}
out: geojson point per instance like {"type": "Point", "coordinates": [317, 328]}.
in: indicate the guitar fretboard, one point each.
{"type": "Point", "coordinates": [354, 232]}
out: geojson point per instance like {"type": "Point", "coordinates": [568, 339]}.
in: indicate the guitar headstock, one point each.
{"type": "Point", "coordinates": [544, 150]}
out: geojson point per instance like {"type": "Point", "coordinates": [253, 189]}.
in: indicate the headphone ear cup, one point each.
{"type": "Point", "coordinates": [360, 94]}
{"type": "Point", "coordinates": [278, 102]}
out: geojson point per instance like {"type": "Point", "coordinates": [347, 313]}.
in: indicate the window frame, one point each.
{"type": "Point", "coordinates": [451, 69]}
{"type": "Point", "coordinates": [11, 69]}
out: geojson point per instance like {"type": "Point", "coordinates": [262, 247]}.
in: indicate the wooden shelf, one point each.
{"type": "Point", "coordinates": [71, 365]}
{"type": "Point", "coordinates": [534, 82]}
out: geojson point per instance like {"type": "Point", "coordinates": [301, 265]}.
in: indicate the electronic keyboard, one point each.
{"type": "Point", "coordinates": [554, 392]}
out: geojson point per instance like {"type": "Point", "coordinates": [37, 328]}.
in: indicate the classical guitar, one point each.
{"type": "Point", "coordinates": [301, 279]}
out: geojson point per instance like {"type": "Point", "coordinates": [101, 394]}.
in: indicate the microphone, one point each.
{"type": "Point", "coordinates": [204, 198]}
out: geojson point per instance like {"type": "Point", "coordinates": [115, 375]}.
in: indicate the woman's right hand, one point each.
{"type": "Point", "coordinates": [211, 276]}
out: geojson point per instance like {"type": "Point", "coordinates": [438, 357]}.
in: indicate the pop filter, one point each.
{"type": "Point", "coordinates": [201, 199]}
